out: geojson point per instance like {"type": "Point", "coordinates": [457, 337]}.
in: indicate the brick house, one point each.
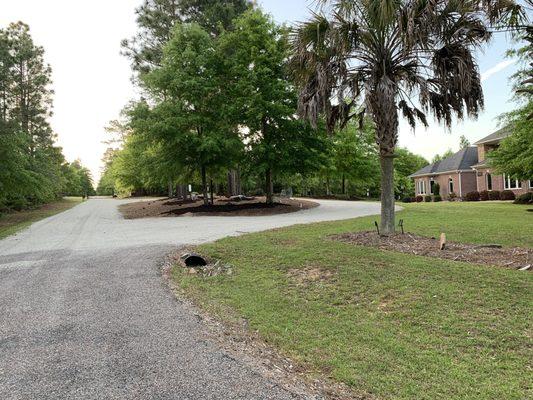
{"type": "Point", "coordinates": [467, 171]}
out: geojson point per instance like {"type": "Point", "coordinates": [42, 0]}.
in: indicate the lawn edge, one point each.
{"type": "Point", "coordinates": [22, 226]}
{"type": "Point", "coordinates": [233, 335]}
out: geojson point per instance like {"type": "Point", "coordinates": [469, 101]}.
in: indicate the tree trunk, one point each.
{"type": "Point", "coordinates": [204, 186]}
{"type": "Point", "coordinates": [343, 184]}
{"type": "Point", "coordinates": [170, 189]}
{"type": "Point", "coordinates": [269, 187]}
{"type": "Point", "coordinates": [234, 182]}
{"type": "Point", "coordinates": [212, 194]}
{"type": "Point", "coordinates": [387, 194]}
{"type": "Point", "coordinates": [382, 102]}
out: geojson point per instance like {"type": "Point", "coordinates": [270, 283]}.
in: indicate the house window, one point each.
{"type": "Point", "coordinates": [511, 183]}
{"type": "Point", "coordinates": [450, 185]}
{"type": "Point", "coordinates": [431, 186]}
{"type": "Point", "coordinates": [421, 187]}
{"type": "Point", "coordinates": [489, 182]}
{"type": "Point", "coordinates": [531, 183]}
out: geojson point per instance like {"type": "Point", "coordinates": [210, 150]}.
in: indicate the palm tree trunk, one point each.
{"type": "Point", "coordinates": [269, 187]}
{"type": "Point", "coordinates": [204, 186]}
{"type": "Point", "coordinates": [387, 194]}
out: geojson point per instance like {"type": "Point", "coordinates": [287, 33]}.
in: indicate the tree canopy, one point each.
{"type": "Point", "coordinates": [33, 169]}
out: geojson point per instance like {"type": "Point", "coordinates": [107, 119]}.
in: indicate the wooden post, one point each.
{"type": "Point", "coordinates": [442, 241]}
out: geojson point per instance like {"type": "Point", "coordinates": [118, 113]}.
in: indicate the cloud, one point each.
{"type": "Point", "coordinates": [497, 68]}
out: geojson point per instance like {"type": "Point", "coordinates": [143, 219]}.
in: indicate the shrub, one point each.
{"type": "Point", "coordinates": [437, 198]}
{"type": "Point", "coordinates": [419, 199]}
{"type": "Point", "coordinates": [507, 195]}
{"type": "Point", "coordinates": [484, 195]}
{"type": "Point", "coordinates": [427, 199]}
{"type": "Point", "coordinates": [472, 196]}
{"type": "Point", "coordinates": [452, 196]}
{"type": "Point", "coordinates": [436, 189]}
{"type": "Point", "coordinates": [526, 198]}
{"type": "Point", "coordinates": [494, 195]}
{"type": "Point", "coordinates": [407, 200]}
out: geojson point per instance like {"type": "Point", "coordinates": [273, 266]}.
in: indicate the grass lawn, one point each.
{"type": "Point", "coordinates": [13, 222]}
{"type": "Point", "coordinates": [391, 325]}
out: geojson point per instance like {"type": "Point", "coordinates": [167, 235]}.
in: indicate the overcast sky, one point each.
{"type": "Point", "coordinates": [92, 80]}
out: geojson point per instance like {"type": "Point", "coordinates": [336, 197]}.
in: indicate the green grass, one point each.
{"type": "Point", "coordinates": [391, 325]}
{"type": "Point", "coordinates": [14, 222]}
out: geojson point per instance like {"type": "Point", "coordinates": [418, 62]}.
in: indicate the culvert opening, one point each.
{"type": "Point", "coordinates": [194, 260]}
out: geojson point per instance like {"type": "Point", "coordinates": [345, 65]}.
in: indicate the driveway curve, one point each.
{"type": "Point", "coordinates": [84, 313]}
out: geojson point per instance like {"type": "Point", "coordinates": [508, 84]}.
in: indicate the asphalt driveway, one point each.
{"type": "Point", "coordinates": [85, 314]}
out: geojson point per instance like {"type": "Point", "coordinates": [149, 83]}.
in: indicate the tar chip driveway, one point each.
{"type": "Point", "coordinates": [85, 313]}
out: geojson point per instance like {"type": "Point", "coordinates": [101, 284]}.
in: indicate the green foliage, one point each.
{"type": "Point", "coordinates": [494, 195]}
{"type": "Point", "coordinates": [446, 154]}
{"type": "Point", "coordinates": [515, 154]}
{"type": "Point", "coordinates": [156, 20]}
{"type": "Point", "coordinates": [33, 169]}
{"type": "Point", "coordinates": [264, 101]}
{"type": "Point", "coordinates": [507, 195]}
{"type": "Point", "coordinates": [472, 196]}
{"type": "Point", "coordinates": [526, 198]}
{"type": "Point", "coordinates": [405, 164]}
{"type": "Point", "coordinates": [79, 181]}
{"type": "Point", "coordinates": [464, 142]}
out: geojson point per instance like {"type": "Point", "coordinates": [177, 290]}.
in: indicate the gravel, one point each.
{"type": "Point", "coordinates": [85, 313]}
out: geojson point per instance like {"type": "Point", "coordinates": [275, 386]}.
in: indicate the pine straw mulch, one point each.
{"type": "Point", "coordinates": [251, 207]}
{"type": "Point", "coordinates": [493, 255]}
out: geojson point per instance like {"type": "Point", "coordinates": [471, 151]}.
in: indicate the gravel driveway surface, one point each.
{"type": "Point", "coordinates": [85, 314]}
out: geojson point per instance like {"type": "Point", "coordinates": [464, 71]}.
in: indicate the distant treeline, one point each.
{"type": "Point", "coordinates": [33, 170]}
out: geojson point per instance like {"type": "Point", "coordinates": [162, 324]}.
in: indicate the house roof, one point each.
{"type": "Point", "coordinates": [495, 137]}
{"type": "Point", "coordinates": [463, 160]}
{"type": "Point", "coordinates": [481, 164]}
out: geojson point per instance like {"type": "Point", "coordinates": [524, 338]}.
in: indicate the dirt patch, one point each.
{"type": "Point", "coordinates": [515, 257]}
{"type": "Point", "coordinates": [308, 275]}
{"type": "Point", "coordinates": [222, 207]}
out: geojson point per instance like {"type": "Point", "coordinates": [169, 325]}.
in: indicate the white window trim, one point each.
{"type": "Point", "coordinates": [487, 174]}
{"type": "Point", "coordinates": [452, 186]}
{"type": "Point", "coordinates": [507, 183]}
{"type": "Point", "coordinates": [421, 187]}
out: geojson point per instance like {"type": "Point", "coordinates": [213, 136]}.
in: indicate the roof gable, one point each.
{"type": "Point", "coordinates": [495, 137]}
{"type": "Point", "coordinates": [463, 160]}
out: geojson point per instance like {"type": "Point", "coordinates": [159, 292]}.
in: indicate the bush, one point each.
{"type": "Point", "coordinates": [436, 189]}
{"type": "Point", "coordinates": [472, 196]}
{"type": "Point", "coordinates": [494, 195]}
{"type": "Point", "coordinates": [507, 195]}
{"type": "Point", "coordinates": [427, 199]}
{"type": "Point", "coordinates": [407, 200]}
{"type": "Point", "coordinates": [419, 199]}
{"type": "Point", "coordinates": [437, 198]}
{"type": "Point", "coordinates": [452, 196]}
{"type": "Point", "coordinates": [484, 195]}
{"type": "Point", "coordinates": [526, 198]}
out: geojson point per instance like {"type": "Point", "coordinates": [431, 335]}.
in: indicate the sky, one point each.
{"type": "Point", "coordinates": [92, 80]}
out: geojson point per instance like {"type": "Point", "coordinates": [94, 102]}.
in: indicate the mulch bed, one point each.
{"type": "Point", "coordinates": [508, 257]}
{"type": "Point", "coordinates": [222, 207]}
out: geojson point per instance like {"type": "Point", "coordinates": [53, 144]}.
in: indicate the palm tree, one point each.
{"type": "Point", "coordinates": [410, 56]}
